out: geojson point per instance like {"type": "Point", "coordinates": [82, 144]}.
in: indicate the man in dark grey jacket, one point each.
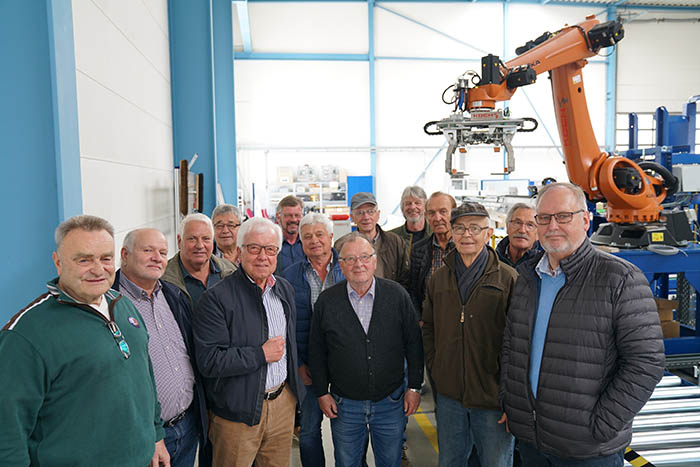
{"type": "Point", "coordinates": [582, 349]}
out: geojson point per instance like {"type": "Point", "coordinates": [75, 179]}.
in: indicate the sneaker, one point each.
{"type": "Point", "coordinates": [404, 457]}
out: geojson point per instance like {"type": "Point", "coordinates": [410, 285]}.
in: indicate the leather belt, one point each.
{"type": "Point", "coordinates": [175, 420]}
{"type": "Point", "coordinates": [272, 395]}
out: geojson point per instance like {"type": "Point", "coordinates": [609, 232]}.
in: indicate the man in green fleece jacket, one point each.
{"type": "Point", "coordinates": [75, 376]}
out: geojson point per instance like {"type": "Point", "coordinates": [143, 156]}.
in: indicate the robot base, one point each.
{"type": "Point", "coordinates": [674, 232]}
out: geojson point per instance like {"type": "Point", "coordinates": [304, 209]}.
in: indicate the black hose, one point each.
{"type": "Point", "coordinates": [425, 128]}
{"type": "Point", "coordinates": [527, 130]}
{"type": "Point", "coordinates": [671, 182]}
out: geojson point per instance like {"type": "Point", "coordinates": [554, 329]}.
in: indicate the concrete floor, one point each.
{"type": "Point", "coordinates": [420, 433]}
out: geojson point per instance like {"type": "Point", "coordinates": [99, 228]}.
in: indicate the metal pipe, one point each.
{"type": "Point", "coordinates": [667, 381]}
{"type": "Point", "coordinates": [672, 457]}
{"type": "Point", "coordinates": [670, 406]}
{"type": "Point", "coordinates": [665, 439]}
{"type": "Point", "coordinates": [676, 392]}
{"type": "Point", "coordinates": [660, 421]}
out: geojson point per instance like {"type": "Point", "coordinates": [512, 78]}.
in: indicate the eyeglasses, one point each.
{"type": "Point", "coordinates": [561, 217]}
{"type": "Point", "coordinates": [529, 226]}
{"type": "Point", "coordinates": [220, 226]}
{"type": "Point", "coordinates": [119, 339]}
{"type": "Point", "coordinates": [255, 249]}
{"type": "Point", "coordinates": [350, 260]}
{"type": "Point", "coordinates": [460, 229]}
{"type": "Point", "coordinates": [362, 212]}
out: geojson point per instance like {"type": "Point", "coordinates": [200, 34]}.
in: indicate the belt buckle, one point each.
{"type": "Point", "coordinates": [175, 420]}
{"type": "Point", "coordinates": [269, 396]}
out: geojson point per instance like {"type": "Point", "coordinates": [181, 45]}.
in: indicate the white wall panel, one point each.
{"type": "Point", "coordinates": [124, 113]}
{"type": "Point", "coordinates": [301, 103]}
{"type": "Point", "coordinates": [658, 64]}
{"type": "Point", "coordinates": [309, 27]}
{"type": "Point", "coordinates": [105, 53]}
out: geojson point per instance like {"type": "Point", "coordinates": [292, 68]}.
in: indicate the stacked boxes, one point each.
{"type": "Point", "coordinates": [669, 327]}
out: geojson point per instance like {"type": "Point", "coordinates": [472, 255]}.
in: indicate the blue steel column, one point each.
{"type": "Point", "coordinates": [611, 90]}
{"type": "Point", "coordinates": [505, 58]}
{"type": "Point", "coordinates": [40, 148]}
{"type": "Point", "coordinates": [191, 90]}
{"type": "Point", "coordinates": [372, 115]}
{"type": "Point", "coordinates": [224, 108]}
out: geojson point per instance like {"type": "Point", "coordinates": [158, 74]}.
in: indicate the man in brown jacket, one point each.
{"type": "Point", "coordinates": [464, 315]}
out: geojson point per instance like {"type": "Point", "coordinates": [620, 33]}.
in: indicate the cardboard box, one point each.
{"type": "Point", "coordinates": [665, 308]}
{"type": "Point", "coordinates": [671, 329]}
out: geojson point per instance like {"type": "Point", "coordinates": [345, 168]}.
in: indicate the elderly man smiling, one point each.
{"type": "Point", "coordinates": [245, 340]}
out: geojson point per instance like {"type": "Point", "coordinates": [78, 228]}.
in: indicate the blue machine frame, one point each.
{"type": "Point", "coordinates": [675, 139]}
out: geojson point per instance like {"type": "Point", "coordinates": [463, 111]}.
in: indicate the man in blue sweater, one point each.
{"type": "Point", "coordinates": [309, 277]}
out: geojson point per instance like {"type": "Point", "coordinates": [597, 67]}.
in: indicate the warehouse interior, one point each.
{"type": "Point", "coordinates": [103, 100]}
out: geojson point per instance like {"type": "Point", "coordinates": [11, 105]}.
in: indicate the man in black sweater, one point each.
{"type": "Point", "coordinates": [362, 331]}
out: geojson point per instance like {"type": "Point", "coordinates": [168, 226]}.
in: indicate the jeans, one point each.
{"type": "Point", "coordinates": [181, 440]}
{"type": "Point", "coordinates": [310, 444]}
{"type": "Point", "coordinates": [461, 428]}
{"type": "Point", "coordinates": [532, 457]}
{"type": "Point", "coordinates": [384, 421]}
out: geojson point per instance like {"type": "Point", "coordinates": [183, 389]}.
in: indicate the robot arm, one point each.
{"type": "Point", "coordinates": [632, 194]}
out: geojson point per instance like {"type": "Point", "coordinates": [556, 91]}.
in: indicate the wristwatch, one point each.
{"type": "Point", "coordinates": [414, 390]}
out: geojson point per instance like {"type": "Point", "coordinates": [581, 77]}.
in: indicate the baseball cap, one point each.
{"type": "Point", "coordinates": [363, 197]}
{"type": "Point", "coordinates": [468, 209]}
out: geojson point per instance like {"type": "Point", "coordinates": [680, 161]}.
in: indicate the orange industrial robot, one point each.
{"type": "Point", "coordinates": [633, 192]}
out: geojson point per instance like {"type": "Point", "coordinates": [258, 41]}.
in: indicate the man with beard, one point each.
{"type": "Point", "coordinates": [290, 210]}
{"type": "Point", "coordinates": [413, 209]}
{"type": "Point", "coordinates": [582, 348]}
{"type": "Point", "coordinates": [521, 242]}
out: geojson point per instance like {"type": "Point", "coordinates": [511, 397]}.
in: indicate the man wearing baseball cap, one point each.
{"type": "Point", "coordinates": [464, 315]}
{"type": "Point", "coordinates": [392, 257]}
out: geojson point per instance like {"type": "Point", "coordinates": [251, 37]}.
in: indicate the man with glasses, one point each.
{"type": "Point", "coordinates": [75, 377]}
{"type": "Point", "coordinates": [290, 210]}
{"type": "Point", "coordinates": [582, 349]}
{"type": "Point", "coordinates": [362, 331]}
{"type": "Point", "coordinates": [226, 219]}
{"type": "Point", "coordinates": [245, 344]}
{"type": "Point", "coordinates": [392, 257]}
{"type": "Point", "coordinates": [521, 242]}
{"type": "Point", "coordinates": [194, 269]}
{"type": "Point", "coordinates": [463, 319]}
{"type": "Point", "coordinates": [309, 278]}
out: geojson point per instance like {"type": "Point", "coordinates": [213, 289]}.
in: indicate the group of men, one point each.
{"type": "Point", "coordinates": [215, 350]}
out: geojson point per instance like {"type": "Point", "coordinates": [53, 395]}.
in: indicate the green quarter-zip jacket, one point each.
{"type": "Point", "coordinates": [70, 397]}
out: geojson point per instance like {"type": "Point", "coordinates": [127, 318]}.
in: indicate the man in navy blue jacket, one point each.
{"type": "Point", "coordinates": [309, 277]}
{"type": "Point", "coordinates": [168, 317]}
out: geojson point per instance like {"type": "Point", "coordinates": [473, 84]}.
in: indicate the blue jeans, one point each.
{"type": "Point", "coordinates": [532, 457]}
{"type": "Point", "coordinates": [310, 444]}
{"type": "Point", "coordinates": [182, 439]}
{"type": "Point", "coordinates": [383, 420]}
{"type": "Point", "coordinates": [460, 428]}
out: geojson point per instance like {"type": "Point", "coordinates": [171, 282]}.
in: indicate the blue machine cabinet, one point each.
{"type": "Point", "coordinates": [653, 265]}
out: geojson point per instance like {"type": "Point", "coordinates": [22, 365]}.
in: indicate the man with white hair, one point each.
{"type": "Point", "coordinates": [245, 344]}
{"type": "Point", "coordinates": [166, 311]}
{"type": "Point", "coordinates": [194, 269]}
{"type": "Point", "coordinates": [582, 349]}
{"type": "Point", "coordinates": [415, 228]}
{"type": "Point", "coordinates": [319, 271]}
{"type": "Point", "coordinates": [521, 242]}
{"type": "Point", "coordinates": [75, 377]}
{"type": "Point", "coordinates": [226, 219]}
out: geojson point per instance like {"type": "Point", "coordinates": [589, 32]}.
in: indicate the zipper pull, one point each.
{"type": "Point", "coordinates": [461, 318]}
{"type": "Point", "coordinates": [534, 416]}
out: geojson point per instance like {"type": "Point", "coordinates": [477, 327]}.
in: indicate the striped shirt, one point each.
{"type": "Point", "coordinates": [362, 305]}
{"type": "Point", "coordinates": [172, 368]}
{"type": "Point", "coordinates": [314, 280]}
{"type": "Point", "coordinates": [276, 326]}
